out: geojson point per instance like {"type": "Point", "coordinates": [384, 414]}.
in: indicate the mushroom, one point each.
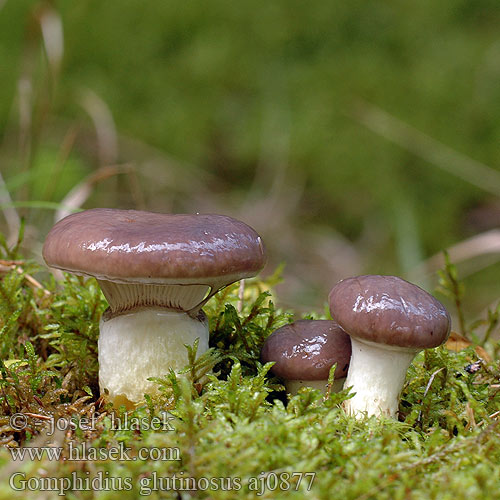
{"type": "Point", "coordinates": [389, 321]}
{"type": "Point", "coordinates": [156, 271]}
{"type": "Point", "coordinates": [304, 352]}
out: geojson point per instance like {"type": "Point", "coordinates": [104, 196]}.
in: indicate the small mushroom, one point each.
{"type": "Point", "coordinates": [304, 352]}
{"type": "Point", "coordinates": [156, 271]}
{"type": "Point", "coordinates": [389, 321]}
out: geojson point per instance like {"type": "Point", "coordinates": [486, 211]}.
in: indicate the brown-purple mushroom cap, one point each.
{"type": "Point", "coordinates": [307, 349]}
{"type": "Point", "coordinates": [136, 246]}
{"type": "Point", "coordinates": [389, 310]}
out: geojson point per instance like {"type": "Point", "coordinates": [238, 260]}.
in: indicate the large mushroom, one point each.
{"type": "Point", "coordinates": [304, 352]}
{"type": "Point", "coordinates": [389, 321]}
{"type": "Point", "coordinates": [156, 271]}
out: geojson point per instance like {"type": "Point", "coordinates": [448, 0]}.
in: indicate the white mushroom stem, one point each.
{"type": "Point", "coordinates": [143, 343]}
{"type": "Point", "coordinates": [376, 374]}
{"type": "Point", "coordinates": [293, 386]}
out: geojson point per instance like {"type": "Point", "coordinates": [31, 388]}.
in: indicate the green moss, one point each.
{"type": "Point", "coordinates": [225, 423]}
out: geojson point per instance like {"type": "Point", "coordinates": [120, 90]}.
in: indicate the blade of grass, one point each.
{"type": "Point", "coordinates": [11, 216]}
{"type": "Point", "coordinates": [80, 193]}
{"type": "Point", "coordinates": [427, 148]}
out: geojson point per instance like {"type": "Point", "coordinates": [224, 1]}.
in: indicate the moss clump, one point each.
{"type": "Point", "coordinates": [224, 428]}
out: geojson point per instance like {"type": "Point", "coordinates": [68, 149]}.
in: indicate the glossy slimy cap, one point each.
{"type": "Point", "coordinates": [307, 349]}
{"type": "Point", "coordinates": [389, 310]}
{"type": "Point", "coordinates": [130, 246]}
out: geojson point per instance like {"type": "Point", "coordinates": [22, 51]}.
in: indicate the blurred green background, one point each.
{"type": "Point", "coordinates": [356, 137]}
